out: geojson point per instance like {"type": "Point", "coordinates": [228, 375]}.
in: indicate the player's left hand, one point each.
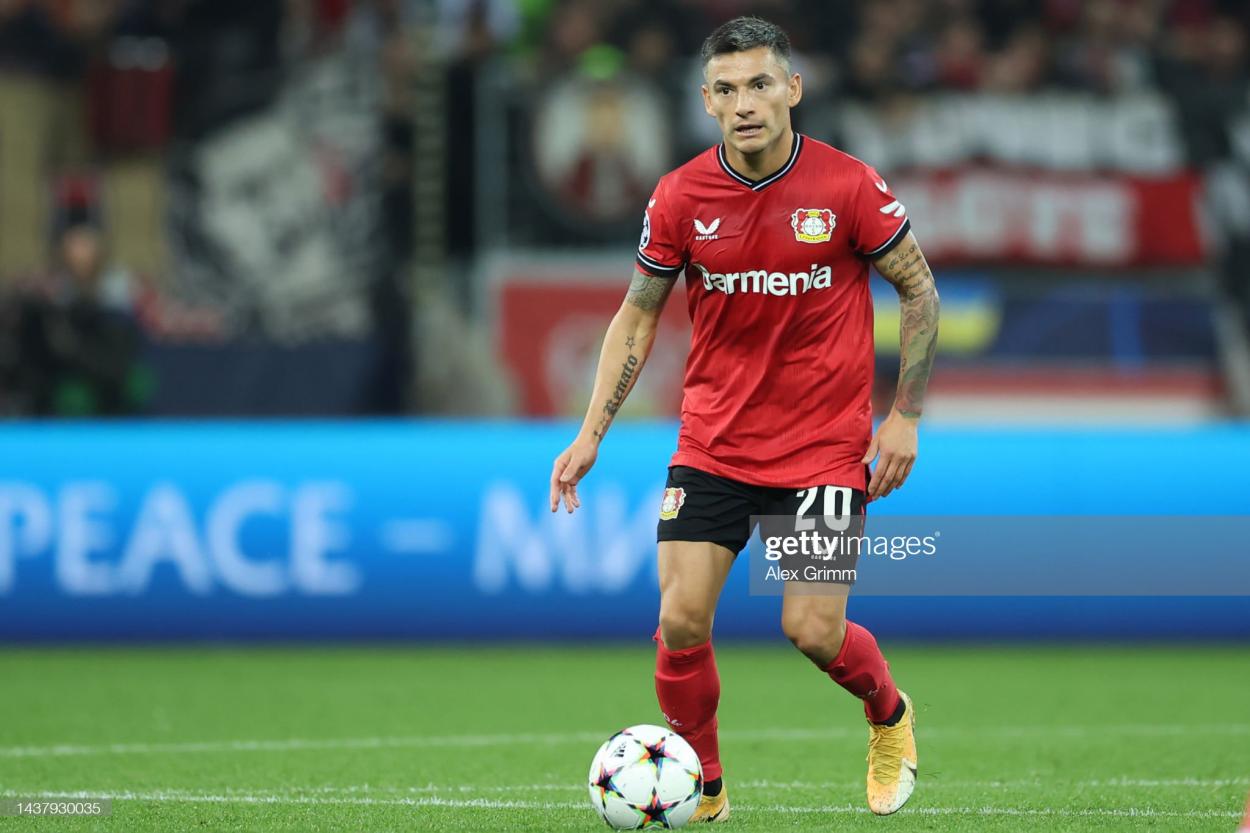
{"type": "Point", "coordinates": [570, 467]}
{"type": "Point", "coordinates": [896, 442]}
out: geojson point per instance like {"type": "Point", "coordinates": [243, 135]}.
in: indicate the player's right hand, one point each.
{"type": "Point", "coordinates": [570, 467]}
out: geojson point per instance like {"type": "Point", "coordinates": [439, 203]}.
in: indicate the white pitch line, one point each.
{"type": "Point", "coordinates": [930, 782]}
{"type": "Point", "coordinates": [560, 738]}
{"type": "Point", "coordinates": [286, 798]}
{"type": "Point", "coordinates": [1117, 812]}
{"type": "Point", "coordinates": [297, 744]}
{"type": "Point", "coordinates": [485, 803]}
{"type": "Point", "coordinates": [1169, 782]}
{"type": "Point", "coordinates": [1039, 781]}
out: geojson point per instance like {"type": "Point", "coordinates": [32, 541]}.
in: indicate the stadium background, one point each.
{"type": "Point", "coordinates": [299, 299]}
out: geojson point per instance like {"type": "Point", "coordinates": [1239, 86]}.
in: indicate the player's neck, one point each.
{"type": "Point", "coordinates": [765, 163]}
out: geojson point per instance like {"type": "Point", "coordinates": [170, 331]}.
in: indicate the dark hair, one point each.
{"type": "Point", "coordinates": [743, 33]}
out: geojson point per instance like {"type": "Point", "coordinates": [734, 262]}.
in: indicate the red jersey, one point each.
{"type": "Point", "coordinates": [779, 380]}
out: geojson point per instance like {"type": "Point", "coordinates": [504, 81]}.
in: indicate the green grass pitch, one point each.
{"type": "Point", "coordinates": [1029, 738]}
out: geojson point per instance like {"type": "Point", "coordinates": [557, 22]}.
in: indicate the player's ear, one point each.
{"type": "Point", "coordinates": [796, 90]}
{"type": "Point", "coordinates": [707, 100]}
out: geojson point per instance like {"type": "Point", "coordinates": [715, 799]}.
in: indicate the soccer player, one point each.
{"type": "Point", "coordinates": [774, 232]}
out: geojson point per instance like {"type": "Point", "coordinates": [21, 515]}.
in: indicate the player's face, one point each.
{"type": "Point", "coordinates": [750, 95]}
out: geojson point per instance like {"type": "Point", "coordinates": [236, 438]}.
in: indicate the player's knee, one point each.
{"type": "Point", "coordinates": [683, 627]}
{"type": "Point", "coordinates": [819, 639]}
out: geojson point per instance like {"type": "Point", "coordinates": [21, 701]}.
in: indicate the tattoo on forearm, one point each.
{"type": "Point", "coordinates": [623, 383]}
{"type": "Point", "coordinates": [648, 293]}
{"type": "Point", "coordinates": [628, 369]}
{"type": "Point", "coordinates": [905, 267]}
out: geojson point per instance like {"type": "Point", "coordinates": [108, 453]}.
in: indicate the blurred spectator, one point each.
{"type": "Point", "coordinates": [33, 42]}
{"type": "Point", "coordinates": [1110, 52]}
{"type": "Point", "coordinates": [1020, 66]}
{"type": "Point", "coordinates": [872, 73]}
{"type": "Point", "coordinates": [587, 148]}
{"type": "Point", "coordinates": [471, 32]}
{"type": "Point", "coordinates": [474, 29]}
{"type": "Point", "coordinates": [74, 344]}
{"type": "Point", "coordinates": [959, 56]}
{"type": "Point", "coordinates": [574, 27]}
{"type": "Point", "coordinates": [42, 130]}
{"type": "Point", "coordinates": [1205, 70]}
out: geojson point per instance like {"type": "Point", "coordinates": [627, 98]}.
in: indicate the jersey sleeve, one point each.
{"type": "Point", "coordinates": [662, 249]}
{"type": "Point", "coordinates": [880, 220]}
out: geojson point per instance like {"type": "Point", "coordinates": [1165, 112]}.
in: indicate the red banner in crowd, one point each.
{"type": "Point", "coordinates": [1044, 219]}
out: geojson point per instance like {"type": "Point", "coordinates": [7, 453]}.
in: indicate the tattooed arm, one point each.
{"type": "Point", "coordinates": [625, 350]}
{"type": "Point", "coordinates": [904, 266]}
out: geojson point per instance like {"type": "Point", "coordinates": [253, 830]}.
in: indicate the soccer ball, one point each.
{"type": "Point", "coordinates": [645, 777]}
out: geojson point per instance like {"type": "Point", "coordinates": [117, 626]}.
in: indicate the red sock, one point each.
{"type": "Point", "coordinates": [862, 670]}
{"type": "Point", "coordinates": [688, 688]}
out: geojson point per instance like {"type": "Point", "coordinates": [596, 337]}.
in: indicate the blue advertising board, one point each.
{"type": "Point", "coordinates": [441, 531]}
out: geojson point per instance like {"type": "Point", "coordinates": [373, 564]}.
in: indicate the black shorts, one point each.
{"type": "Point", "coordinates": [698, 506]}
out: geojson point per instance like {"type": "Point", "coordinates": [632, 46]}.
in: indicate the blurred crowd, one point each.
{"type": "Point", "coordinates": [113, 235]}
{"type": "Point", "coordinates": [210, 171]}
{"type": "Point", "coordinates": [875, 49]}
{"type": "Point", "coordinates": [583, 81]}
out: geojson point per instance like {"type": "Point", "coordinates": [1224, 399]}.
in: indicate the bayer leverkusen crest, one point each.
{"type": "Point", "coordinates": [674, 499]}
{"type": "Point", "coordinates": [813, 225]}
